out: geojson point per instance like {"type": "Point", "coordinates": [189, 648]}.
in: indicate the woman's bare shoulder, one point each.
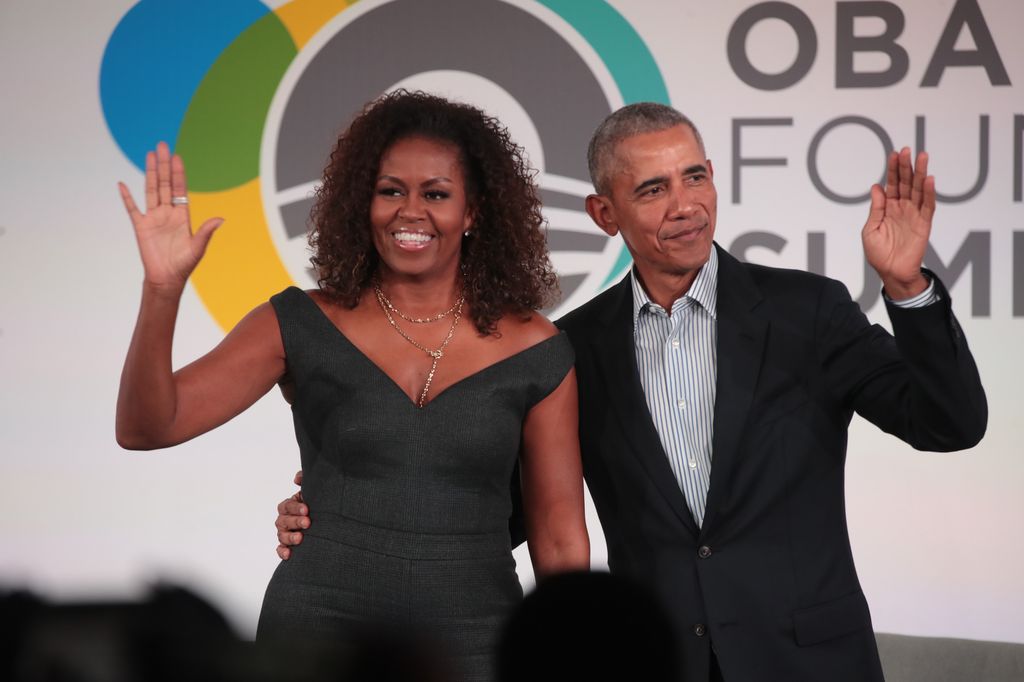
{"type": "Point", "coordinates": [329, 304]}
{"type": "Point", "coordinates": [522, 331]}
{"type": "Point", "coordinates": [319, 297]}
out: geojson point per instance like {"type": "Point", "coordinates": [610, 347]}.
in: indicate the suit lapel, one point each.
{"type": "Point", "coordinates": [616, 356]}
{"type": "Point", "coordinates": [741, 339]}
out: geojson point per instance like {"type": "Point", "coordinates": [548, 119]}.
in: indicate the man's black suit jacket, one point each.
{"type": "Point", "coordinates": [769, 580]}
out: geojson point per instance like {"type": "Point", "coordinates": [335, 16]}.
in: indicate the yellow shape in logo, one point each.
{"type": "Point", "coordinates": [303, 18]}
{"type": "Point", "coordinates": [241, 268]}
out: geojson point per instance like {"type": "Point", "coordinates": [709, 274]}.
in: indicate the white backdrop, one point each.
{"type": "Point", "coordinates": [936, 536]}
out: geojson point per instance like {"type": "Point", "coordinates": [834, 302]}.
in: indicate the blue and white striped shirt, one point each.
{"type": "Point", "coordinates": [677, 358]}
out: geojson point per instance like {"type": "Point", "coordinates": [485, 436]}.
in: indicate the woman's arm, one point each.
{"type": "Point", "coordinates": [552, 476]}
{"type": "Point", "coordinates": [155, 406]}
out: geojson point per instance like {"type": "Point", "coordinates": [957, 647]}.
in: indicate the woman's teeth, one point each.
{"type": "Point", "coordinates": [415, 237]}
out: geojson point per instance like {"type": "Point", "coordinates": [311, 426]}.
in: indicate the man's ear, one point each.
{"type": "Point", "coordinates": [600, 210]}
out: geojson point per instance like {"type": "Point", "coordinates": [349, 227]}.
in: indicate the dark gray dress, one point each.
{"type": "Point", "coordinates": [409, 505]}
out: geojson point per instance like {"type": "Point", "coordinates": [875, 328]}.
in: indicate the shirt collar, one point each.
{"type": "Point", "coordinates": [703, 291]}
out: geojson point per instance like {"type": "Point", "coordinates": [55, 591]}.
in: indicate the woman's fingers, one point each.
{"type": "Point", "coordinates": [165, 177]}
{"type": "Point", "coordinates": [178, 185]}
{"type": "Point", "coordinates": [203, 234]}
{"type": "Point", "coordinates": [152, 197]}
{"type": "Point", "coordinates": [129, 203]}
{"type": "Point", "coordinates": [163, 173]}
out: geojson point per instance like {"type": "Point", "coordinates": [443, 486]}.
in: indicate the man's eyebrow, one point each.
{"type": "Point", "coordinates": [659, 180]}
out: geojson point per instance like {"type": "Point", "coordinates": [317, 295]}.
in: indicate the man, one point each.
{"type": "Point", "coordinates": [715, 398]}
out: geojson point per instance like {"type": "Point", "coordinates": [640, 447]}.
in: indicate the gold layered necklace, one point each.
{"type": "Point", "coordinates": [435, 354]}
{"type": "Point", "coordinates": [389, 306]}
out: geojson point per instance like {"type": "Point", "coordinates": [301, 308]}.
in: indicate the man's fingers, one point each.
{"type": "Point", "coordinates": [928, 199]}
{"type": "Point", "coordinates": [920, 173]}
{"type": "Point", "coordinates": [289, 538]}
{"type": "Point", "coordinates": [292, 518]}
{"type": "Point", "coordinates": [293, 507]}
{"type": "Point", "coordinates": [291, 522]}
{"type": "Point", "coordinates": [877, 211]}
{"type": "Point", "coordinates": [906, 173]}
{"type": "Point", "coordinates": [891, 175]}
{"type": "Point", "coordinates": [292, 515]}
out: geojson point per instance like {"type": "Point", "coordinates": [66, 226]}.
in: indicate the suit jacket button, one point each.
{"type": "Point", "coordinates": [699, 629]}
{"type": "Point", "coordinates": [704, 552]}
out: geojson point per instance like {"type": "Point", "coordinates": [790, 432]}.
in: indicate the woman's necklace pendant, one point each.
{"type": "Point", "coordinates": [436, 354]}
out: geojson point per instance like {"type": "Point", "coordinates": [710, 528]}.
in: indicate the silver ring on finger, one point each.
{"type": "Point", "coordinates": [179, 201]}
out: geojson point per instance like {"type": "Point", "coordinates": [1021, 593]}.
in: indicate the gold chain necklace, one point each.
{"type": "Point", "coordinates": [386, 302]}
{"type": "Point", "coordinates": [436, 354]}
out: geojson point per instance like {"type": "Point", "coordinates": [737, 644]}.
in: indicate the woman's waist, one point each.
{"type": "Point", "coordinates": [408, 543]}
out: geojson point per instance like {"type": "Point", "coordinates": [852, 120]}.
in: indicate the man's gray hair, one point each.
{"type": "Point", "coordinates": [630, 120]}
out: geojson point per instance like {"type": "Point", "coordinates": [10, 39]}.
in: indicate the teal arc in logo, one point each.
{"type": "Point", "coordinates": [630, 63]}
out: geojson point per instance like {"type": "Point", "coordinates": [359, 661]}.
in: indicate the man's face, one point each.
{"type": "Point", "coordinates": [662, 198]}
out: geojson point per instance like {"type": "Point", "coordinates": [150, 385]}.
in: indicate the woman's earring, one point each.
{"type": "Point", "coordinates": [466, 233]}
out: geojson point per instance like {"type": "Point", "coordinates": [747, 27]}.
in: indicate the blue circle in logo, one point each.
{"type": "Point", "coordinates": [154, 61]}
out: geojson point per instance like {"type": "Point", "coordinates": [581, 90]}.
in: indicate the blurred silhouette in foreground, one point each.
{"type": "Point", "coordinates": [175, 635]}
{"type": "Point", "coordinates": [588, 626]}
{"type": "Point", "coordinates": [573, 626]}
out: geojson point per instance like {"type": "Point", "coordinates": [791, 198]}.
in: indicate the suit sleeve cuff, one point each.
{"type": "Point", "coordinates": [925, 298]}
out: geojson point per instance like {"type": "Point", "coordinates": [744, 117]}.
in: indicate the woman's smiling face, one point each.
{"type": "Point", "coordinates": [420, 208]}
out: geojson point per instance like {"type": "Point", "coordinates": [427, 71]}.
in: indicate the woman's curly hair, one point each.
{"type": "Point", "coordinates": [505, 265]}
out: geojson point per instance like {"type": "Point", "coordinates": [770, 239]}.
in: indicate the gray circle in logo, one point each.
{"type": "Point", "coordinates": [492, 39]}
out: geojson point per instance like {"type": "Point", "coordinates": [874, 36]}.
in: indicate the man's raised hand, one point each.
{"type": "Point", "coordinates": [899, 224]}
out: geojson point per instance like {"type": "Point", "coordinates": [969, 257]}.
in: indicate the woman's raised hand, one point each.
{"type": "Point", "coordinates": [169, 249]}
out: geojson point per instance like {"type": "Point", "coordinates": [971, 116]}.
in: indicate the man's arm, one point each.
{"type": "Point", "coordinates": [921, 386]}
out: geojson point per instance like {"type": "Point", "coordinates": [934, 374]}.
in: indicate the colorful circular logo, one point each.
{"type": "Point", "coordinates": [253, 100]}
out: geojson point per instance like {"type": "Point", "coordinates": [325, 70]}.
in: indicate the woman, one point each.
{"type": "Point", "coordinates": [418, 371]}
